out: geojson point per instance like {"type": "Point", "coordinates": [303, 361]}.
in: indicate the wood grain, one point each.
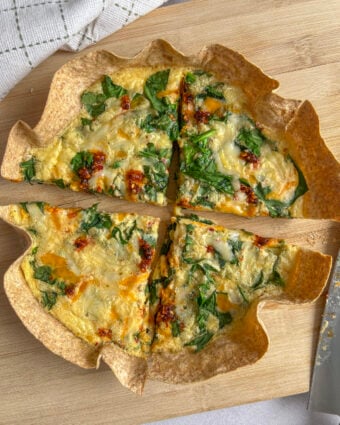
{"type": "Point", "coordinates": [298, 43]}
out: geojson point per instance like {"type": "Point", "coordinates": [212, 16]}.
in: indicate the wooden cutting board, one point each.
{"type": "Point", "coordinates": [295, 41]}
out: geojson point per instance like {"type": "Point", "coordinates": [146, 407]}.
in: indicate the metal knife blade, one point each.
{"type": "Point", "coordinates": [325, 388]}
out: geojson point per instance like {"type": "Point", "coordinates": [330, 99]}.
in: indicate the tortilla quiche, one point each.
{"type": "Point", "coordinates": [205, 291]}
{"type": "Point", "coordinates": [110, 125]}
{"type": "Point", "coordinates": [90, 270]}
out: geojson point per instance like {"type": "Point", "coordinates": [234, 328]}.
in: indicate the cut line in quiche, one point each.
{"type": "Point", "coordinates": [110, 124]}
{"type": "Point", "coordinates": [84, 288]}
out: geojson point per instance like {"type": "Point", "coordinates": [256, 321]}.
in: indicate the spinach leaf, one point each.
{"type": "Point", "coordinates": [251, 140]}
{"type": "Point", "coordinates": [258, 281]}
{"type": "Point", "coordinates": [24, 206]}
{"type": "Point", "coordinates": [116, 164]}
{"type": "Point", "coordinates": [236, 246]}
{"type": "Point", "coordinates": [243, 295]}
{"type": "Point", "coordinates": [175, 328]}
{"type": "Point", "coordinates": [112, 90]}
{"type": "Point", "coordinates": [302, 187]}
{"type": "Point", "coordinates": [153, 297]}
{"type": "Point", "coordinates": [95, 102]}
{"type": "Point", "coordinates": [60, 183]}
{"type": "Point", "coordinates": [209, 305]}
{"type": "Point", "coordinates": [166, 121]}
{"type": "Point", "coordinates": [167, 242]}
{"type": "Point", "coordinates": [93, 218]}
{"type": "Point", "coordinates": [151, 152]}
{"type": "Point", "coordinates": [275, 208]}
{"type": "Point", "coordinates": [198, 163]}
{"type": "Point", "coordinates": [190, 78]}
{"type": "Point", "coordinates": [157, 179]}
{"type": "Point", "coordinates": [195, 217]}
{"type": "Point", "coordinates": [43, 273]}
{"type": "Point", "coordinates": [28, 169]}
{"type": "Point", "coordinates": [188, 242]}
{"type": "Point", "coordinates": [85, 122]}
{"type": "Point", "coordinates": [212, 90]}
{"type": "Point", "coordinates": [221, 260]}
{"type": "Point", "coordinates": [200, 72]}
{"type": "Point", "coordinates": [122, 233]}
{"type": "Point", "coordinates": [48, 299]}
{"type": "Point", "coordinates": [200, 341]}
{"type": "Point", "coordinates": [276, 279]}
{"type": "Point", "coordinates": [278, 208]}
{"type": "Point", "coordinates": [154, 84]}
{"type": "Point", "coordinates": [41, 206]}
{"type": "Point", "coordinates": [83, 159]}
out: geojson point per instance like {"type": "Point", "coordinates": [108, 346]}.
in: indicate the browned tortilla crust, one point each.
{"type": "Point", "coordinates": [246, 344]}
{"type": "Point", "coordinates": [293, 120]}
{"type": "Point", "coordinates": [130, 371]}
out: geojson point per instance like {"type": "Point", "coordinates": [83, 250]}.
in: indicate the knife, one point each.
{"type": "Point", "coordinates": [325, 388]}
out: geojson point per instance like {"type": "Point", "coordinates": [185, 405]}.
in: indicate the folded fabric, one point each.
{"type": "Point", "coordinates": [32, 30]}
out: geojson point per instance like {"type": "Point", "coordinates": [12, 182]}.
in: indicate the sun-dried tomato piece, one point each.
{"type": "Point", "coordinates": [104, 333]}
{"type": "Point", "coordinates": [81, 242]}
{"type": "Point", "coordinates": [249, 157]}
{"type": "Point", "coordinates": [98, 161]}
{"type": "Point", "coordinates": [84, 173]}
{"type": "Point", "coordinates": [251, 197]}
{"type": "Point", "coordinates": [202, 116]}
{"type": "Point", "coordinates": [210, 249]}
{"type": "Point", "coordinates": [134, 181]}
{"type": "Point", "coordinates": [259, 241]}
{"type": "Point", "coordinates": [146, 252]}
{"type": "Point", "coordinates": [166, 313]}
{"type": "Point", "coordinates": [125, 102]}
{"type": "Point", "coordinates": [70, 290]}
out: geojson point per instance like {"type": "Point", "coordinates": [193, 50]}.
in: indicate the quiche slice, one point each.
{"type": "Point", "coordinates": [206, 291]}
{"type": "Point", "coordinates": [110, 123]}
{"type": "Point", "coordinates": [120, 141]}
{"type": "Point", "coordinates": [82, 286]}
{"type": "Point", "coordinates": [231, 162]}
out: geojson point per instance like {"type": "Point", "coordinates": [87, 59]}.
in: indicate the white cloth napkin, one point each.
{"type": "Point", "coordinates": [31, 30]}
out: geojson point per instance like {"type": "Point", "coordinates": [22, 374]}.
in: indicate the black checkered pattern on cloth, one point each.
{"type": "Point", "coordinates": [32, 30]}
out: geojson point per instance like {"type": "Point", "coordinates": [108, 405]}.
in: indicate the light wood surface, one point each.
{"type": "Point", "coordinates": [298, 43]}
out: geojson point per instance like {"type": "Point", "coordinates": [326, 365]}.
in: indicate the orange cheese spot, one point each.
{"type": "Point", "coordinates": [167, 93]}
{"type": "Point", "coordinates": [121, 155]}
{"type": "Point", "coordinates": [123, 135]}
{"type": "Point", "coordinates": [54, 214]}
{"type": "Point", "coordinates": [128, 285]}
{"type": "Point", "coordinates": [211, 105]}
{"type": "Point", "coordinates": [114, 315]}
{"type": "Point", "coordinates": [81, 288]}
{"type": "Point", "coordinates": [121, 216]}
{"type": "Point", "coordinates": [59, 267]}
{"type": "Point", "coordinates": [224, 304]}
